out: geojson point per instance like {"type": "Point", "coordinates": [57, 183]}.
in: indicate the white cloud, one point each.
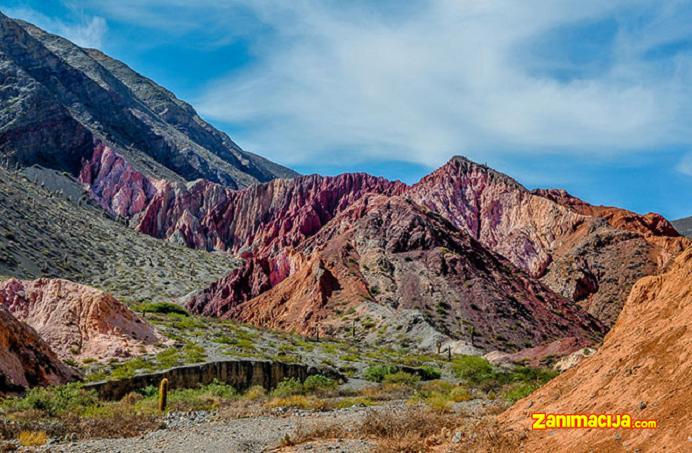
{"type": "Point", "coordinates": [419, 81]}
{"type": "Point", "coordinates": [452, 77]}
{"type": "Point", "coordinates": [86, 32]}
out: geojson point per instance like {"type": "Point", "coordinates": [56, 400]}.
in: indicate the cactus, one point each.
{"type": "Point", "coordinates": [163, 394]}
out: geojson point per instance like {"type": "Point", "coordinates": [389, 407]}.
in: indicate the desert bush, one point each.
{"type": "Point", "coordinates": [205, 397]}
{"type": "Point", "coordinates": [53, 401]}
{"type": "Point", "coordinates": [404, 430]}
{"type": "Point", "coordinates": [439, 402]}
{"type": "Point", "coordinates": [517, 391]}
{"type": "Point", "coordinates": [288, 387]}
{"type": "Point", "coordinates": [459, 394]}
{"type": "Point", "coordinates": [437, 386]}
{"type": "Point", "coordinates": [165, 308]}
{"type": "Point", "coordinates": [376, 373]}
{"type": "Point", "coordinates": [255, 393]}
{"type": "Point", "coordinates": [318, 383]}
{"type": "Point", "coordinates": [428, 373]}
{"type": "Point", "coordinates": [473, 369]}
{"type": "Point", "coordinates": [401, 377]}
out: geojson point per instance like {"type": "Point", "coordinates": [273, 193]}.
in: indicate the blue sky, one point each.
{"type": "Point", "coordinates": [585, 95]}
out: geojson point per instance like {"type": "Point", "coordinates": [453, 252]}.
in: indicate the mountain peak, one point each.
{"type": "Point", "coordinates": [461, 165]}
{"type": "Point", "coordinates": [61, 99]}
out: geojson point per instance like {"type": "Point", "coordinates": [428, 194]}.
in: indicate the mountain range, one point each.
{"type": "Point", "coordinates": [111, 181]}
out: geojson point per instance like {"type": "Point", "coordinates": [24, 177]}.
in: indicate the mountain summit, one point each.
{"type": "Point", "coordinates": [59, 99]}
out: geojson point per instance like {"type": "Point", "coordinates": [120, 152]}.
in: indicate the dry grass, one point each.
{"type": "Point", "coordinates": [32, 438]}
{"type": "Point", "coordinates": [402, 430]}
{"type": "Point", "coordinates": [480, 435]}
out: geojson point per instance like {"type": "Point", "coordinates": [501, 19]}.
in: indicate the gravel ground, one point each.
{"type": "Point", "coordinates": [193, 433]}
{"type": "Point", "coordinates": [202, 432]}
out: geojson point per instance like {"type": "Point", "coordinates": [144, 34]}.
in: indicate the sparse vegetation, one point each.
{"type": "Point", "coordinates": [165, 308]}
{"type": "Point", "coordinates": [376, 373]}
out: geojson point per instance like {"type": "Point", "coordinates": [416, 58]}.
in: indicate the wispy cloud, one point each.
{"type": "Point", "coordinates": [472, 77]}
{"type": "Point", "coordinates": [85, 32]}
{"type": "Point", "coordinates": [333, 82]}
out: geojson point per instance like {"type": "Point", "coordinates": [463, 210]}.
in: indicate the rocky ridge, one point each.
{"type": "Point", "coordinates": [280, 227]}
{"type": "Point", "coordinates": [412, 276]}
{"type": "Point", "coordinates": [58, 99]}
{"type": "Point", "coordinates": [284, 228]}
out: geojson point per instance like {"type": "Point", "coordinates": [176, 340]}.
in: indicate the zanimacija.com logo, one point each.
{"type": "Point", "coordinates": [572, 421]}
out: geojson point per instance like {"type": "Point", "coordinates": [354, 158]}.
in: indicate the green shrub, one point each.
{"type": "Point", "coordinates": [401, 377]}
{"type": "Point", "coordinates": [428, 373]}
{"type": "Point", "coordinates": [148, 391]}
{"type": "Point", "coordinates": [376, 373]}
{"type": "Point", "coordinates": [220, 389]}
{"type": "Point", "coordinates": [515, 392]}
{"type": "Point", "coordinates": [202, 398]}
{"type": "Point", "coordinates": [350, 357]}
{"type": "Point", "coordinates": [288, 387]}
{"type": "Point", "coordinates": [194, 353]}
{"type": "Point", "coordinates": [55, 400]}
{"type": "Point", "coordinates": [319, 383]}
{"type": "Point", "coordinates": [165, 308]}
{"type": "Point", "coordinates": [533, 375]}
{"type": "Point", "coordinates": [473, 369]}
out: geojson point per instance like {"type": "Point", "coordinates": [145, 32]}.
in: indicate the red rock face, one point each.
{"type": "Point", "coordinates": [592, 255]}
{"type": "Point", "coordinates": [25, 359]}
{"type": "Point", "coordinates": [497, 211]}
{"type": "Point", "coordinates": [78, 321]}
{"type": "Point", "coordinates": [386, 257]}
{"type": "Point", "coordinates": [115, 184]}
{"type": "Point", "coordinates": [279, 227]}
{"type": "Point", "coordinates": [256, 221]}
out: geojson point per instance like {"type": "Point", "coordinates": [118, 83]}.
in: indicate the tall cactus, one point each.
{"type": "Point", "coordinates": [163, 394]}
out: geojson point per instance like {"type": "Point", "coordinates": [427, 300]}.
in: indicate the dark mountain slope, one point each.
{"type": "Point", "coordinates": [58, 98]}
{"type": "Point", "coordinates": [684, 226]}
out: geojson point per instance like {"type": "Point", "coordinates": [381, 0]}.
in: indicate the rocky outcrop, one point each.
{"type": "Point", "coordinates": [498, 212]}
{"type": "Point", "coordinates": [651, 224]}
{"type": "Point", "coordinates": [642, 369]}
{"type": "Point", "coordinates": [386, 257]}
{"type": "Point", "coordinates": [57, 98]}
{"type": "Point", "coordinates": [25, 359]}
{"type": "Point", "coordinates": [558, 354]}
{"type": "Point", "coordinates": [78, 321]}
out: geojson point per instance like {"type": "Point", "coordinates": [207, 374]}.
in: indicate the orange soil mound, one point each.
{"type": "Point", "coordinates": [644, 368]}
